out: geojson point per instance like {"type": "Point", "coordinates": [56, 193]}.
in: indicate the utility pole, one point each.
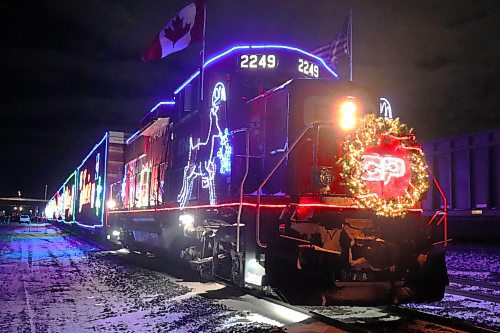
{"type": "Point", "coordinates": [45, 198]}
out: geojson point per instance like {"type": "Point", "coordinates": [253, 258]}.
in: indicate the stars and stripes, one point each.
{"type": "Point", "coordinates": [339, 47]}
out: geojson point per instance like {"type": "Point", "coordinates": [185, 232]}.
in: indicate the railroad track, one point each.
{"type": "Point", "coordinates": [348, 318]}
{"type": "Point", "coordinates": [394, 319]}
{"type": "Point", "coordinates": [474, 283]}
{"type": "Point", "coordinates": [359, 319]}
{"type": "Point", "coordinates": [475, 294]}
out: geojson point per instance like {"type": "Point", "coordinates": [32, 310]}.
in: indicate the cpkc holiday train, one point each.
{"type": "Point", "coordinates": [269, 173]}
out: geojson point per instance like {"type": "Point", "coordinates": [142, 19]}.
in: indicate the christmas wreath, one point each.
{"type": "Point", "coordinates": [384, 167]}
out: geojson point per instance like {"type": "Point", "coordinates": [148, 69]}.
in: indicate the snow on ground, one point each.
{"type": "Point", "coordinates": [476, 263]}
{"type": "Point", "coordinates": [53, 282]}
{"type": "Point", "coordinates": [480, 263]}
{"type": "Point", "coordinates": [478, 312]}
{"type": "Point", "coordinates": [357, 314]}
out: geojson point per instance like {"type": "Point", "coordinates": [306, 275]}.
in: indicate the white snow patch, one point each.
{"type": "Point", "coordinates": [353, 314]}
{"type": "Point", "coordinates": [199, 288]}
{"type": "Point", "coordinates": [251, 318]}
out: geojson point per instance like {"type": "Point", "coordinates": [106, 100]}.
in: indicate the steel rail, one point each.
{"type": "Point", "coordinates": [450, 322]}
{"type": "Point", "coordinates": [473, 295]}
{"type": "Point", "coordinates": [474, 283]}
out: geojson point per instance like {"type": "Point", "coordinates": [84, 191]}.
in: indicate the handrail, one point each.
{"type": "Point", "coordinates": [259, 190]}
{"type": "Point", "coordinates": [444, 212]}
{"type": "Point", "coordinates": [247, 167]}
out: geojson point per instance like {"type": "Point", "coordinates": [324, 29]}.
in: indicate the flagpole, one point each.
{"type": "Point", "coordinates": [202, 77]}
{"type": "Point", "coordinates": [350, 45]}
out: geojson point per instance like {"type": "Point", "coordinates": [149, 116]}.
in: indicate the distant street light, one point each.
{"type": "Point", "coordinates": [19, 193]}
{"type": "Point", "coordinates": [15, 208]}
{"type": "Point", "coordinates": [20, 209]}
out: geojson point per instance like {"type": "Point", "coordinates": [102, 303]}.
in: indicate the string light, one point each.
{"type": "Point", "coordinates": [206, 170]}
{"type": "Point", "coordinates": [371, 133]}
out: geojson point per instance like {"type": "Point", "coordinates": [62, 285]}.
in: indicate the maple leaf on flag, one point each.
{"type": "Point", "coordinates": [177, 30]}
{"type": "Point", "coordinates": [185, 28]}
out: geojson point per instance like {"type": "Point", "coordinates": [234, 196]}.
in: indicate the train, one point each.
{"type": "Point", "coordinates": [467, 167]}
{"type": "Point", "coordinates": [267, 171]}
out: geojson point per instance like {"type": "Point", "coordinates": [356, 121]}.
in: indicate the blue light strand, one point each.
{"type": "Point", "coordinates": [224, 153]}
{"type": "Point", "coordinates": [187, 82]}
{"type": "Point", "coordinates": [106, 137]}
{"type": "Point", "coordinates": [257, 47]}
{"type": "Point", "coordinates": [157, 106]}
{"type": "Point", "coordinates": [132, 137]}
{"type": "Point", "coordinates": [103, 201]}
{"type": "Point", "coordinates": [92, 151]}
{"type": "Point", "coordinates": [150, 111]}
{"type": "Point", "coordinates": [77, 171]}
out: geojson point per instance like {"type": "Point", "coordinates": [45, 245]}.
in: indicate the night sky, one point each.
{"type": "Point", "coordinates": [71, 69]}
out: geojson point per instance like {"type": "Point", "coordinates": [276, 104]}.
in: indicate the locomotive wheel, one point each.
{"type": "Point", "coordinates": [224, 261]}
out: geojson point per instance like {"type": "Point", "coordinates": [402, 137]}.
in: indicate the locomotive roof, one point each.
{"type": "Point", "coordinates": [238, 48]}
{"type": "Point", "coordinates": [227, 53]}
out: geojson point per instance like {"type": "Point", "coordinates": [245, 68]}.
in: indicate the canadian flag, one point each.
{"type": "Point", "coordinates": [186, 27]}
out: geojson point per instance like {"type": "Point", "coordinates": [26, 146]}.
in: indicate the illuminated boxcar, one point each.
{"type": "Point", "coordinates": [81, 198]}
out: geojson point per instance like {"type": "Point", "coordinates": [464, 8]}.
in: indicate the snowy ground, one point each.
{"type": "Point", "coordinates": [53, 282]}
{"type": "Point", "coordinates": [469, 264]}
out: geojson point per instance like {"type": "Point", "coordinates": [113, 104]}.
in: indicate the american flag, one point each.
{"type": "Point", "coordinates": [338, 47]}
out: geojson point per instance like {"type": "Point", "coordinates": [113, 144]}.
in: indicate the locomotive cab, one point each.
{"type": "Point", "coordinates": [317, 114]}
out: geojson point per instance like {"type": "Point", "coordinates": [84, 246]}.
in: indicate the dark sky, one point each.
{"type": "Point", "coordinates": [71, 69]}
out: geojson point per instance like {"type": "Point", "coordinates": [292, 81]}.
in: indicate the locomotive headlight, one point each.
{"type": "Point", "coordinates": [186, 220]}
{"type": "Point", "coordinates": [111, 204]}
{"type": "Point", "coordinates": [347, 115]}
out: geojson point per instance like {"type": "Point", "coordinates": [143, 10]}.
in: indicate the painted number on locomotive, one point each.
{"type": "Point", "coordinates": [267, 61]}
{"type": "Point", "coordinates": [308, 68]}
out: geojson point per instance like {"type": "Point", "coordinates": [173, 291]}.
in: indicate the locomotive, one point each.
{"type": "Point", "coordinates": [240, 175]}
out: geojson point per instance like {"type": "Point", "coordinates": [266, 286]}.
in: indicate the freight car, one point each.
{"type": "Point", "coordinates": [468, 168]}
{"type": "Point", "coordinates": [267, 171]}
{"type": "Point", "coordinates": [80, 201]}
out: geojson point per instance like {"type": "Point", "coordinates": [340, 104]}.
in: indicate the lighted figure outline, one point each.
{"type": "Point", "coordinates": [207, 169]}
{"type": "Point", "coordinates": [68, 202]}
{"type": "Point", "coordinates": [385, 108]}
{"type": "Point", "coordinates": [93, 188]}
{"type": "Point", "coordinates": [98, 187]}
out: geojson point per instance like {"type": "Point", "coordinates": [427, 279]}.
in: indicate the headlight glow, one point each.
{"type": "Point", "coordinates": [186, 219]}
{"type": "Point", "coordinates": [111, 204]}
{"type": "Point", "coordinates": [347, 115]}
